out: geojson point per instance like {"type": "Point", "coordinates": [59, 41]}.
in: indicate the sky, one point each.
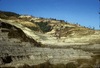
{"type": "Point", "coordinates": [83, 12]}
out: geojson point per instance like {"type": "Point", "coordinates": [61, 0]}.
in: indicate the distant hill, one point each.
{"type": "Point", "coordinates": [4, 14]}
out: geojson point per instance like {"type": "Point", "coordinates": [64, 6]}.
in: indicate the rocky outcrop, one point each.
{"type": "Point", "coordinates": [19, 55]}
{"type": "Point", "coordinates": [15, 32]}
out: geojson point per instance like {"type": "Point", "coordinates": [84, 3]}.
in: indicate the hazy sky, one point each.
{"type": "Point", "coordinates": [84, 12]}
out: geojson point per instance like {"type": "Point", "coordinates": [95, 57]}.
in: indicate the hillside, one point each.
{"type": "Point", "coordinates": [41, 42]}
{"type": "Point", "coordinates": [53, 30]}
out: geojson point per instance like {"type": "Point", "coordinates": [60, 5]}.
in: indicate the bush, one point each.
{"type": "Point", "coordinates": [34, 28]}
{"type": "Point", "coordinates": [44, 26]}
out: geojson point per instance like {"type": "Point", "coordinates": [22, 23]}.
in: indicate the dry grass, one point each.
{"type": "Point", "coordinates": [76, 32]}
{"type": "Point", "coordinates": [25, 23]}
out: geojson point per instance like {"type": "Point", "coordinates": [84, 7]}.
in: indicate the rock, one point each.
{"type": "Point", "coordinates": [1, 62]}
{"type": "Point", "coordinates": [71, 65]}
{"type": "Point", "coordinates": [24, 66]}
{"type": "Point", "coordinates": [85, 65]}
{"type": "Point", "coordinates": [31, 57]}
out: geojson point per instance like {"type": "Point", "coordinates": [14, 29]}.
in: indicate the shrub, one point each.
{"type": "Point", "coordinates": [44, 26]}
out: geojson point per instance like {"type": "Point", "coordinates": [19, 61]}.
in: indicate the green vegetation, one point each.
{"type": "Point", "coordinates": [44, 26]}
{"type": "Point", "coordinates": [6, 15]}
{"type": "Point", "coordinates": [10, 13]}
{"type": "Point", "coordinates": [34, 28]}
